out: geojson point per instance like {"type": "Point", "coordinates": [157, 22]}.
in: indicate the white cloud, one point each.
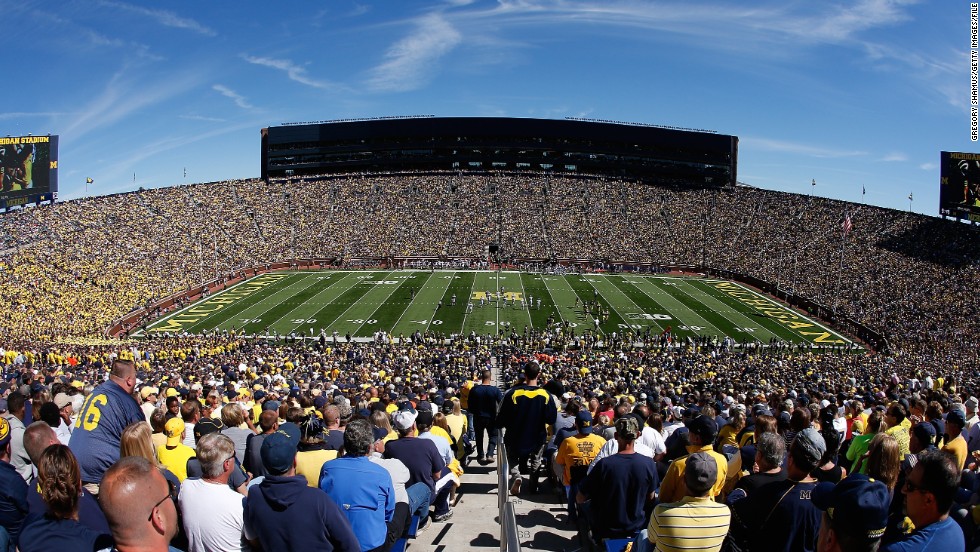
{"type": "Point", "coordinates": [895, 156]}
{"type": "Point", "coordinates": [293, 71]}
{"type": "Point", "coordinates": [410, 61]}
{"type": "Point", "coordinates": [239, 100]}
{"type": "Point", "coordinates": [165, 18]}
{"type": "Point", "coordinates": [784, 146]}
{"type": "Point", "coordinates": [929, 166]}
{"type": "Point", "coordinates": [201, 118]}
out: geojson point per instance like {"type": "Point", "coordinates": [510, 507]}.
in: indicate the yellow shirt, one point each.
{"type": "Point", "coordinates": [175, 459]}
{"type": "Point", "coordinates": [308, 464]}
{"type": "Point", "coordinates": [578, 451]}
{"type": "Point", "coordinates": [957, 447]}
{"type": "Point", "coordinates": [673, 487]}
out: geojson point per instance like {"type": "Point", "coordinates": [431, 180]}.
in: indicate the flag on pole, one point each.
{"type": "Point", "coordinates": [89, 181]}
{"type": "Point", "coordinates": [910, 196]}
{"type": "Point", "coordinates": [846, 226]}
{"type": "Point", "coordinates": [863, 191]}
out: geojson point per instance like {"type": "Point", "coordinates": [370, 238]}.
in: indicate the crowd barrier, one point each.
{"type": "Point", "coordinates": [509, 540]}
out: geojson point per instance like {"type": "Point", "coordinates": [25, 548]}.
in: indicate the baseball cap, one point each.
{"type": "Point", "coordinates": [173, 429]}
{"type": "Point", "coordinates": [62, 400]}
{"type": "Point", "coordinates": [147, 391]}
{"type": "Point", "coordinates": [172, 392]}
{"type": "Point", "coordinates": [583, 420]}
{"type": "Point", "coordinates": [857, 506]}
{"type": "Point", "coordinates": [279, 449]}
{"type": "Point", "coordinates": [956, 417]}
{"type": "Point", "coordinates": [259, 395]}
{"type": "Point", "coordinates": [424, 418]}
{"type": "Point", "coordinates": [380, 433]}
{"type": "Point", "coordinates": [628, 428]}
{"type": "Point", "coordinates": [270, 405]}
{"type": "Point", "coordinates": [404, 418]}
{"type": "Point", "coordinates": [925, 432]}
{"type": "Point", "coordinates": [204, 426]}
{"type": "Point", "coordinates": [3, 405]}
{"type": "Point", "coordinates": [972, 403]}
{"type": "Point", "coordinates": [704, 427]}
{"type": "Point", "coordinates": [4, 432]}
{"type": "Point", "coordinates": [700, 472]}
{"type": "Point", "coordinates": [812, 444]}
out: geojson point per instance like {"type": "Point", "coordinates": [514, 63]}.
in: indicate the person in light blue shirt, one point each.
{"type": "Point", "coordinates": [363, 490]}
{"type": "Point", "coordinates": [929, 492]}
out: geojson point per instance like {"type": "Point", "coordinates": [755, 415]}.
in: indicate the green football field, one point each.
{"type": "Point", "coordinates": [400, 302]}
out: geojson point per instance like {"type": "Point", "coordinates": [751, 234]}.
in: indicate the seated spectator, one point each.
{"type": "Point", "coordinates": [136, 441]}
{"type": "Point", "coordinates": [233, 417]}
{"type": "Point", "coordinates": [364, 490]}
{"type": "Point", "coordinates": [780, 516]}
{"type": "Point", "coordinates": [58, 528]}
{"type": "Point", "coordinates": [130, 496]}
{"type": "Point", "coordinates": [175, 454]}
{"type": "Point", "coordinates": [855, 512]}
{"type": "Point", "coordinates": [694, 522]}
{"type": "Point", "coordinates": [13, 493]}
{"type": "Point", "coordinates": [312, 453]}
{"type": "Point", "coordinates": [212, 512]}
{"type": "Point", "coordinates": [702, 430]}
{"type": "Point", "coordinates": [284, 513]}
{"type": "Point", "coordinates": [770, 452]}
{"type": "Point", "coordinates": [422, 459]}
{"type": "Point", "coordinates": [929, 491]}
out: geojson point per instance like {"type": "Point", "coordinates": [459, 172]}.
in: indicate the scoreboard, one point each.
{"type": "Point", "coordinates": [959, 185]}
{"type": "Point", "coordinates": [29, 167]}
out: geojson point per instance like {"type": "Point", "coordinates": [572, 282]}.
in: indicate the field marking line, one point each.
{"type": "Point", "coordinates": [214, 296]}
{"type": "Point", "coordinates": [313, 283]}
{"type": "Point", "coordinates": [681, 306]}
{"type": "Point", "coordinates": [789, 309]}
{"type": "Point", "coordinates": [352, 305]}
{"type": "Point", "coordinates": [732, 322]}
{"type": "Point", "coordinates": [640, 310]}
{"type": "Point", "coordinates": [411, 303]}
{"type": "Point", "coordinates": [469, 301]}
{"type": "Point", "coordinates": [394, 288]}
{"type": "Point", "coordinates": [706, 289]}
{"type": "Point", "coordinates": [449, 282]}
{"type": "Point", "coordinates": [544, 282]}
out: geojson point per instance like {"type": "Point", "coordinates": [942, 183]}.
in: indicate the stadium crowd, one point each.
{"type": "Point", "coordinates": [68, 270]}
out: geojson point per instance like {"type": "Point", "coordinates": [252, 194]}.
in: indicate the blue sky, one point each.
{"type": "Point", "coordinates": [848, 94]}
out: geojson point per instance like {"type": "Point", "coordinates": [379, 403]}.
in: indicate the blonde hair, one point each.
{"type": "Point", "coordinates": [136, 441]}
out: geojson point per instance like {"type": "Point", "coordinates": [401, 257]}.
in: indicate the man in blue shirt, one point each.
{"type": "Point", "coordinates": [105, 414]}
{"type": "Point", "coordinates": [13, 492]}
{"type": "Point", "coordinates": [363, 490]}
{"type": "Point", "coordinates": [929, 492]}
{"type": "Point", "coordinates": [483, 401]}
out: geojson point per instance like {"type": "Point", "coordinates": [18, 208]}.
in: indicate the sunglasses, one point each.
{"type": "Point", "coordinates": [912, 487]}
{"type": "Point", "coordinates": [171, 494]}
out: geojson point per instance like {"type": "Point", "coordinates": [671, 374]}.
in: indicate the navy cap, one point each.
{"type": "Point", "coordinates": [380, 433]}
{"type": "Point", "coordinates": [279, 449]}
{"type": "Point", "coordinates": [584, 421]}
{"type": "Point", "coordinates": [925, 432]}
{"type": "Point", "coordinates": [956, 417]}
{"type": "Point", "coordinates": [259, 395]}
{"type": "Point", "coordinates": [857, 506]}
{"type": "Point", "coordinates": [704, 427]}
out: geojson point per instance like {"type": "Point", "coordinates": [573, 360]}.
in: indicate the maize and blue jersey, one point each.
{"type": "Point", "coordinates": [98, 429]}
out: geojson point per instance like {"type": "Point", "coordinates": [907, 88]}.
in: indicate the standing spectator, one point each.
{"type": "Point", "coordinates": [232, 416]}
{"type": "Point", "coordinates": [484, 399]}
{"type": "Point", "coordinates": [212, 512]}
{"type": "Point", "coordinates": [136, 441]}
{"type": "Point", "coordinates": [620, 487]}
{"type": "Point", "coordinates": [283, 513]}
{"type": "Point", "coordinates": [106, 413]}
{"type": "Point", "coordinates": [855, 512]}
{"type": "Point", "coordinates": [149, 396]}
{"type": "Point", "coordinates": [363, 489]}
{"type": "Point", "coordinates": [770, 451]}
{"type": "Point", "coordinates": [64, 404]}
{"type": "Point", "coordinates": [696, 521]}
{"type": "Point", "coordinates": [525, 413]}
{"type": "Point", "coordinates": [190, 412]}
{"type": "Point", "coordinates": [16, 412]}
{"type": "Point", "coordinates": [780, 516]}
{"type": "Point", "coordinates": [58, 528]}
{"type": "Point", "coordinates": [574, 455]}
{"type": "Point", "coordinates": [140, 521]}
{"type": "Point", "coordinates": [268, 423]}
{"type": "Point", "coordinates": [422, 459]}
{"type": "Point", "coordinates": [13, 493]}
{"type": "Point", "coordinates": [929, 491]}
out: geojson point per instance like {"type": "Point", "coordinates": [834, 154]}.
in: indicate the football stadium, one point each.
{"type": "Point", "coordinates": [564, 332]}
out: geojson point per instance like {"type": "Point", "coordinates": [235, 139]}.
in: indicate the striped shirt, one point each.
{"type": "Point", "coordinates": [693, 523]}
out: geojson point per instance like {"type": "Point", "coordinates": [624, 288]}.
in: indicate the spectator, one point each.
{"type": "Point", "coordinates": [130, 488]}
{"type": "Point", "coordinates": [313, 452]}
{"type": "Point", "coordinates": [107, 411]}
{"type": "Point", "coordinates": [855, 512]}
{"type": "Point", "coordinates": [175, 454]}
{"type": "Point", "coordinates": [955, 440]}
{"type": "Point", "coordinates": [284, 513]}
{"type": "Point", "coordinates": [574, 456]}
{"type": "Point", "coordinates": [363, 489]}
{"type": "Point", "coordinates": [212, 512]}
{"type": "Point", "coordinates": [929, 492]}
{"type": "Point", "coordinates": [703, 431]}
{"type": "Point", "coordinates": [58, 528]}
{"type": "Point", "coordinates": [16, 411]}
{"type": "Point", "coordinates": [136, 441]}
{"type": "Point", "coordinates": [268, 424]}
{"type": "Point", "coordinates": [13, 493]}
{"type": "Point", "coordinates": [770, 452]}
{"type": "Point", "coordinates": [484, 399]}
{"type": "Point", "coordinates": [696, 520]}
{"type": "Point", "coordinates": [525, 413]}
{"type": "Point", "coordinates": [619, 488]}
{"type": "Point", "coordinates": [422, 459]}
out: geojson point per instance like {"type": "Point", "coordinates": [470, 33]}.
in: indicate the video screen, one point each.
{"type": "Point", "coordinates": [29, 166]}
{"type": "Point", "coordinates": [959, 185]}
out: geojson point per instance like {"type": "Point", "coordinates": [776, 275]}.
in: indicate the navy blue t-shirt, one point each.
{"type": "Point", "coordinates": [44, 533]}
{"type": "Point", "coordinates": [89, 512]}
{"type": "Point", "coordinates": [420, 456]}
{"type": "Point", "coordinates": [13, 500]}
{"type": "Point", "coordinates": [619, 486]}
{"type": "Point", "coordinates": [98, 429]}
{"type": "Point", "coordinates": [483, 400]}
{"type": "Point", "coordinates": [777, 516]}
